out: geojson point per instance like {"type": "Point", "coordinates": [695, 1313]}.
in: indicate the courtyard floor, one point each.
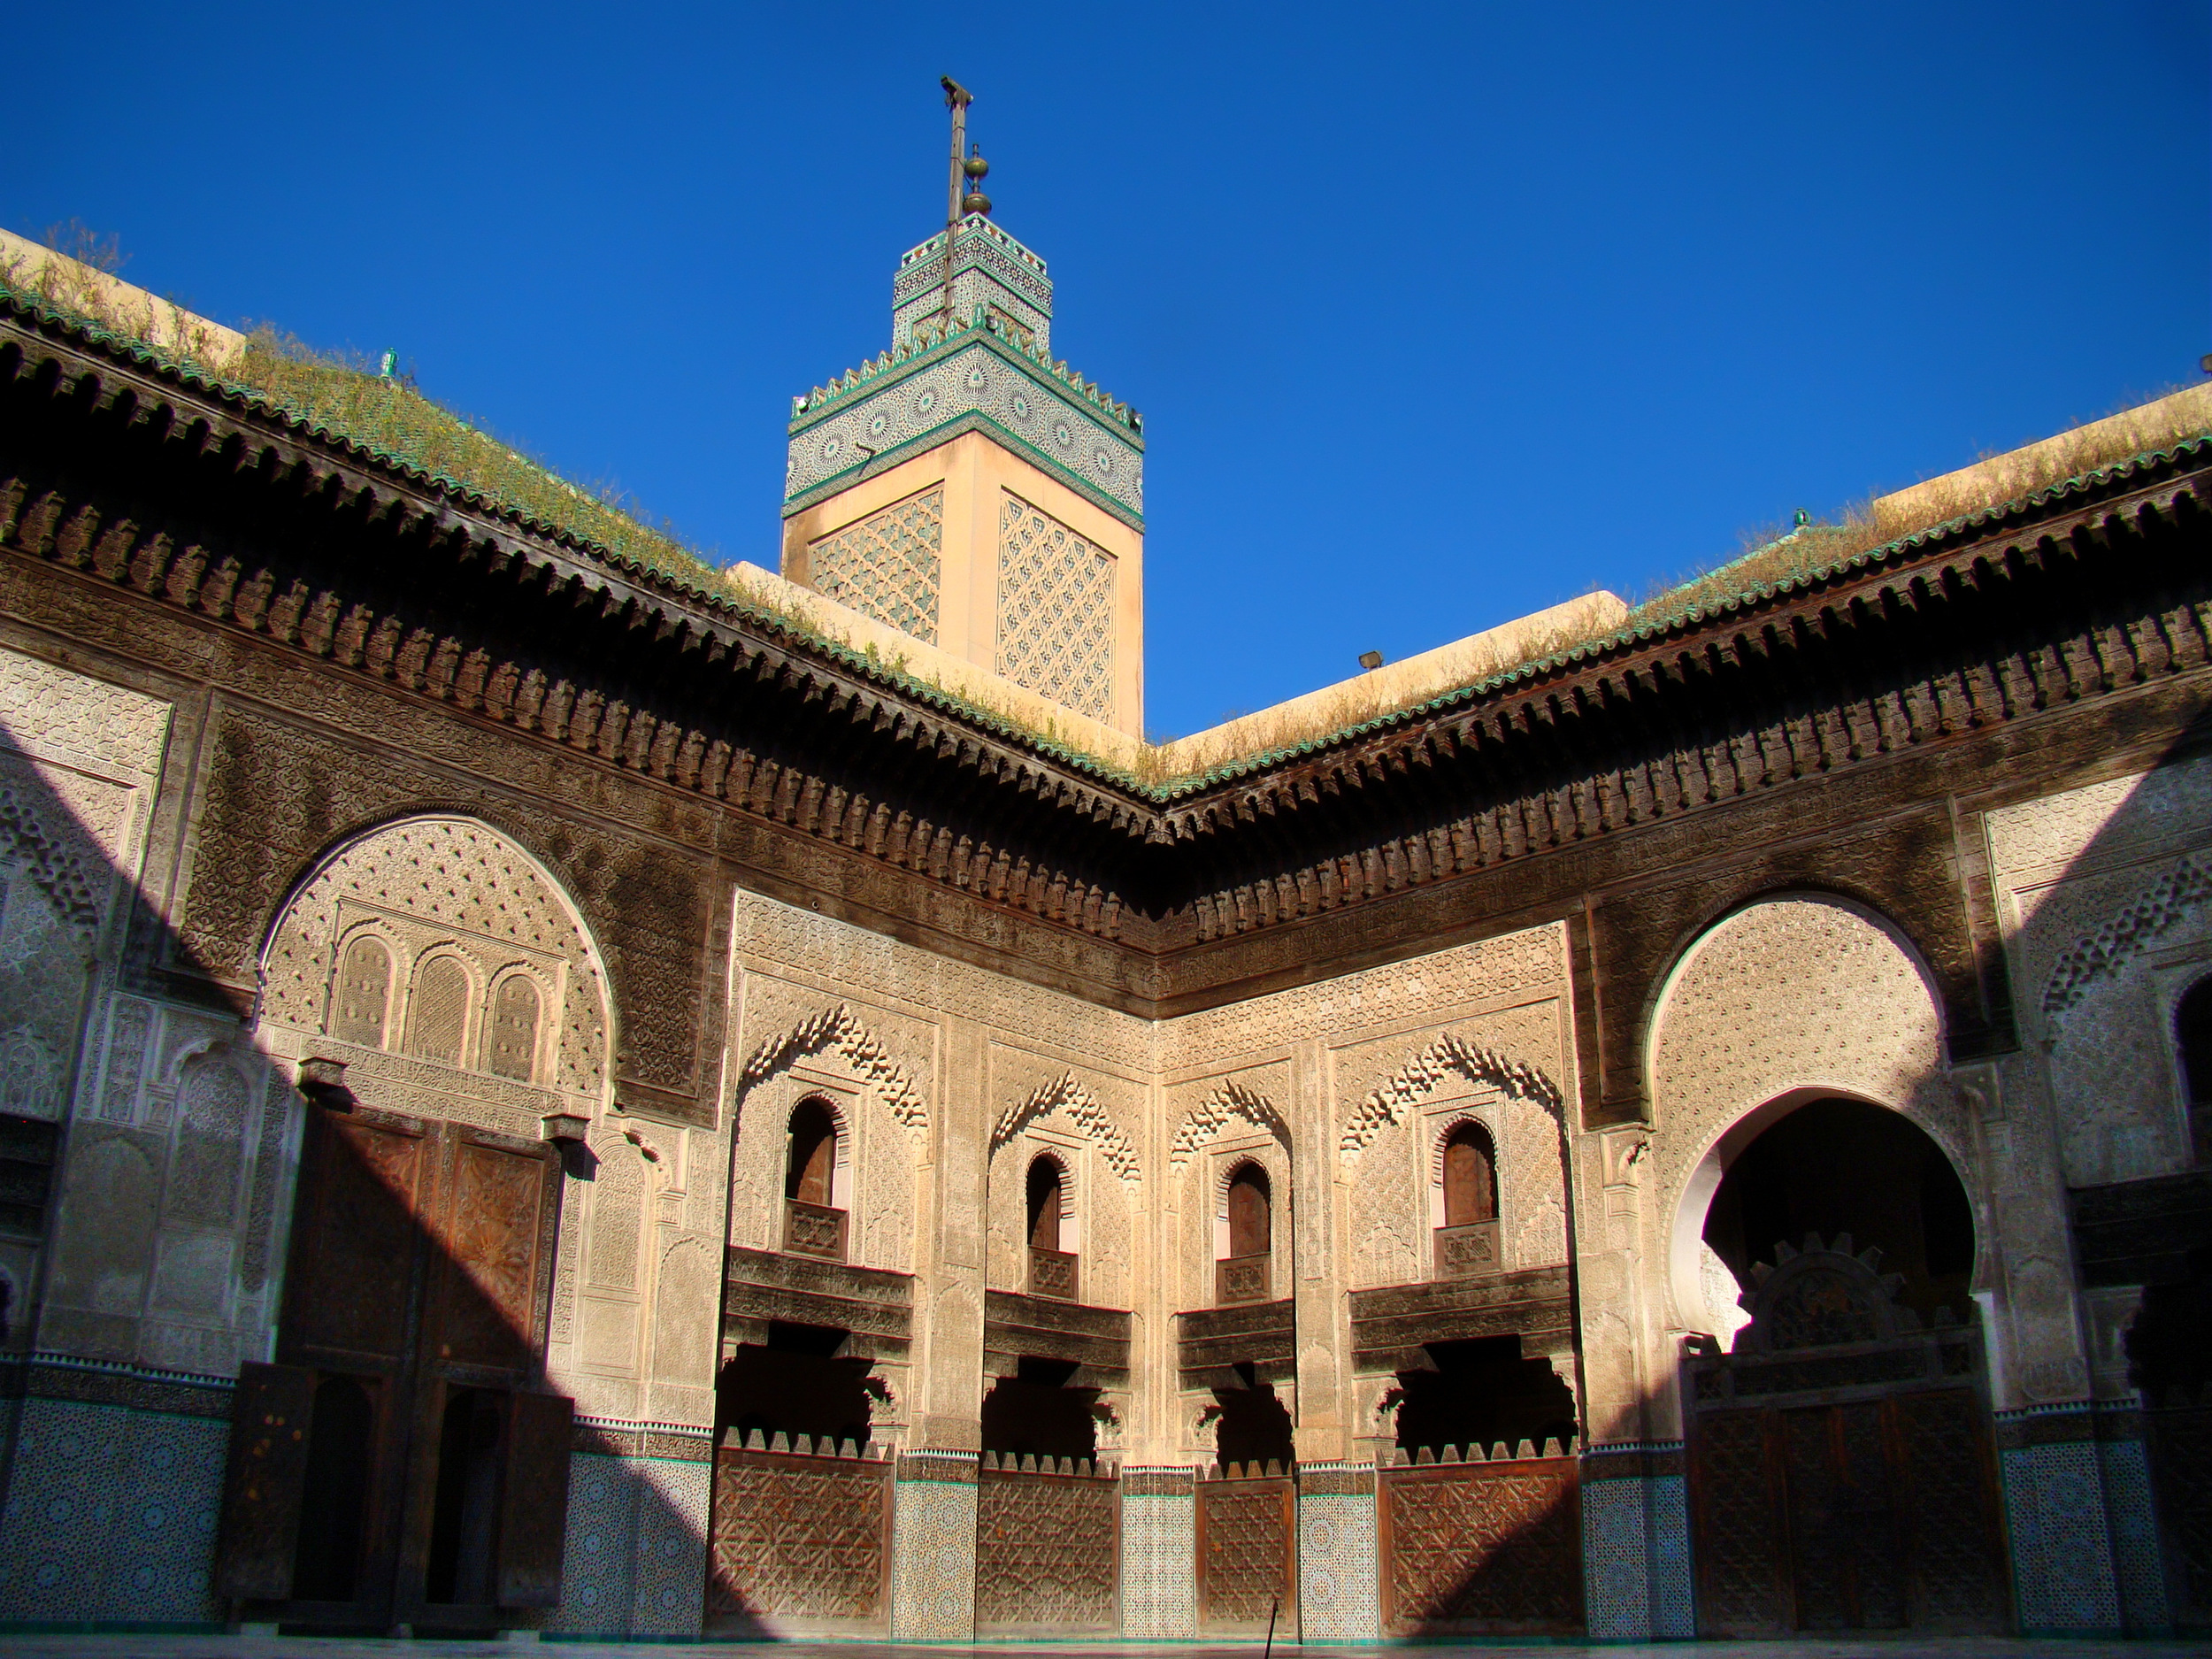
{"type": "Point", "coordinates": [21, 1646]}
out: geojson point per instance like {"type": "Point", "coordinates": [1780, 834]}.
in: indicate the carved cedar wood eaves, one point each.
{"type": "Point", "coordinates": [1814, 737]}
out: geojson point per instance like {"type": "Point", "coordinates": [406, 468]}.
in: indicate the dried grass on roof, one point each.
{"type": "Point", "coordinates": [341, 395]}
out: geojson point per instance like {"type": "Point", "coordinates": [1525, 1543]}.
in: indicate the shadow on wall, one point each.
{"type": "Point", "coordinates": [403, 1461]}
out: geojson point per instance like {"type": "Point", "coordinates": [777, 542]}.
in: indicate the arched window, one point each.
{"type": "Point", "coordinates": [364, 992]}
{"type": "Point", "coordinates": [1243, 1276]}
{"type": "Point", "coordinates": [812, 1225]}
{"type": "Point", "coordinates": [512, 1049]}
{"type": "Point", "coordinates": [1051, 1268]}
{"type": "Point", "coordinates": [1470, 1176]}
{"type": "Point", "coordinates": [812, 1169]}
{"type": "Point", "coordinates": [437, 1014]}
{"type": "Point", "coordinates": [2192, 1034]}
{"type": "Point", "coordinates": [1044, 1204]}
{"type": "Point", "coordinates": [1250, 1232]}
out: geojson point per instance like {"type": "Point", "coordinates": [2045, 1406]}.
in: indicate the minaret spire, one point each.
{"type": "Point", "coordinates": [957, 98]}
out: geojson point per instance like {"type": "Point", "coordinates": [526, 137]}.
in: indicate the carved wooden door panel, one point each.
{"type": "Point", "coordinates": [1742, 1571]}
{"type": "Point", "coordinates": [1958, 1579]}
{"type": "Point", "coordinates": [1867, 1515]}
{"type": "Point", "coordinates": [1247, 1530]}
{"type": "Point", "coordinates": [1843, 1532]}
{"type": "Point", "coordinates": [801, 1544]}
{"type": "Point", "coordinates": [423, 1482]}
{"type": "Point", "coordinates": [2179, 1448]}
{"type": "Point", "coordinates": [490, 1218]}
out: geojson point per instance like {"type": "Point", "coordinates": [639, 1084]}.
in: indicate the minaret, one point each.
{"type": "Point", "coordinates": [967, 489]}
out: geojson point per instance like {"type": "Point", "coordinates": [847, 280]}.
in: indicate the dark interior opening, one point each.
{"type": "Point", "coordinates": [1483, 1392]}
{"type": "Point", "coordinates": [813, 1162]}
{"type": "Point", "coordinates": [1035, 1412]}
{"type": "Point", "coordinates": [1843, 1166]}
{"type": "Point", "coordinates": [465, 1514]}
{"type": "Point", "coordinates": [1044, 1204]}
{"type": "Point", "coordinates": [2167, 1345]}
{"type": "Point", "coordinates": [2192, 1034]}
{"type": "Point", "coordinates": [1254, 1426]}
{"type": "Point", "coordinates": [327, 1561]}
{"type": "Point", "coordinates": [799, 1382]}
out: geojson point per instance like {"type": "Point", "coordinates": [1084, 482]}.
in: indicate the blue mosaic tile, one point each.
{"type": "Point", "coordinates": [1159, 1568]}
{"type": "Point", "coordinates": [1338, 1595]}
{"type": "Point", "coordinates": [2061, 1556]}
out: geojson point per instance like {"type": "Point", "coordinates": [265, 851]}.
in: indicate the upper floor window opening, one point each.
{"type": "Point", "coordinates": [812, 1224]}
{"type": "Point", "coordinates": [2192, 1037]}
{"type": "Point", "coordinates": [1052, 1267]}
{"type": "Point", "coordinates": [1467, 1243]}
{"type": "Point", "coordinates": [1242, 1274]}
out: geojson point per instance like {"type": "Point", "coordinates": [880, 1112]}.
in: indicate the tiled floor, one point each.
{"type": "Point", "coordinates": [17, 1646]}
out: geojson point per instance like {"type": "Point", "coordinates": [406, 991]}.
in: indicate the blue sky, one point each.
{"type": "Point", "coordinates": [1437, 315]}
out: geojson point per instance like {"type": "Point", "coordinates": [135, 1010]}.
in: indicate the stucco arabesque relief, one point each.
{"type": "Point", "coordinates": [873, 1068]}
{"type": "Point", "coordinates": [1810, 994]}
{"type": "Point", "coordinates": [2102, 893]}
{"type": "Point", "coordinates": [1389, 1139]}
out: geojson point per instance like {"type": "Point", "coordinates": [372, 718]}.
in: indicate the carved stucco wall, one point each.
{"type": "Point", "coordinates": [873, 1067]}
{"type": "Point", "coordinates": [2105, 894]}
{"type": "Point", "coordinates": [1347, 1065]}
{"type": "Point", "coordinates": [1808, 994]}
{"type": "Point", "coordinates": [2102, 893]}
{"type": "Point", "coordinates": [1091, 1124]}
{"type": "Point", "coordinates": [166, 1226]}
{"type": "Point", "coordinates": [934, 1055]}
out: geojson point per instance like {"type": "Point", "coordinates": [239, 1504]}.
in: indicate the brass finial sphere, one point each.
{"type": "Point", "coordinates": [975, 167]}
{"type": "Point", "coordinates": [975, 202]}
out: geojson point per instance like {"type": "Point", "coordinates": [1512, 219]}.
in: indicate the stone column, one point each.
{"type": "Point", "coordinates": [1159, 1555]}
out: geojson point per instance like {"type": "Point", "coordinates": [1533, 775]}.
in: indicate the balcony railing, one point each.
{"type": "Point", "coordinates": [1052, 1273]}
{"type": "Point", "coordinates": [813, 1230]}
{"type": "Point", "coordinates": [1240, 1278]}
{"type": "Point", "coordinates": [1468, 1251]}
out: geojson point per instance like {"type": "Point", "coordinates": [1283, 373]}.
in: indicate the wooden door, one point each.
{"type": "Point", "coordinates": [398, 1465]}
{"type": "Point", "coordinates": [1866, 1515]}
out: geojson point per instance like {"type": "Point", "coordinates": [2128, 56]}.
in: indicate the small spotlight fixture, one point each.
{"type": "Point", "coordinates": [1370, 660]}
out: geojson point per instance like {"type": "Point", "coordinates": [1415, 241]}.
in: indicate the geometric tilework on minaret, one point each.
{"type": "Point", "coordinates": [969, 490]}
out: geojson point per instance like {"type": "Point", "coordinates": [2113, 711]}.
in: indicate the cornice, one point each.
{"type": "Point", "coordinates": [2091, 587]}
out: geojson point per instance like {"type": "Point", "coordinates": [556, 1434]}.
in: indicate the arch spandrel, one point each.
{"type": "Point", "coordinates": [442, 884]}
{"type": "Point", "coordinates": [1785, 999]}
